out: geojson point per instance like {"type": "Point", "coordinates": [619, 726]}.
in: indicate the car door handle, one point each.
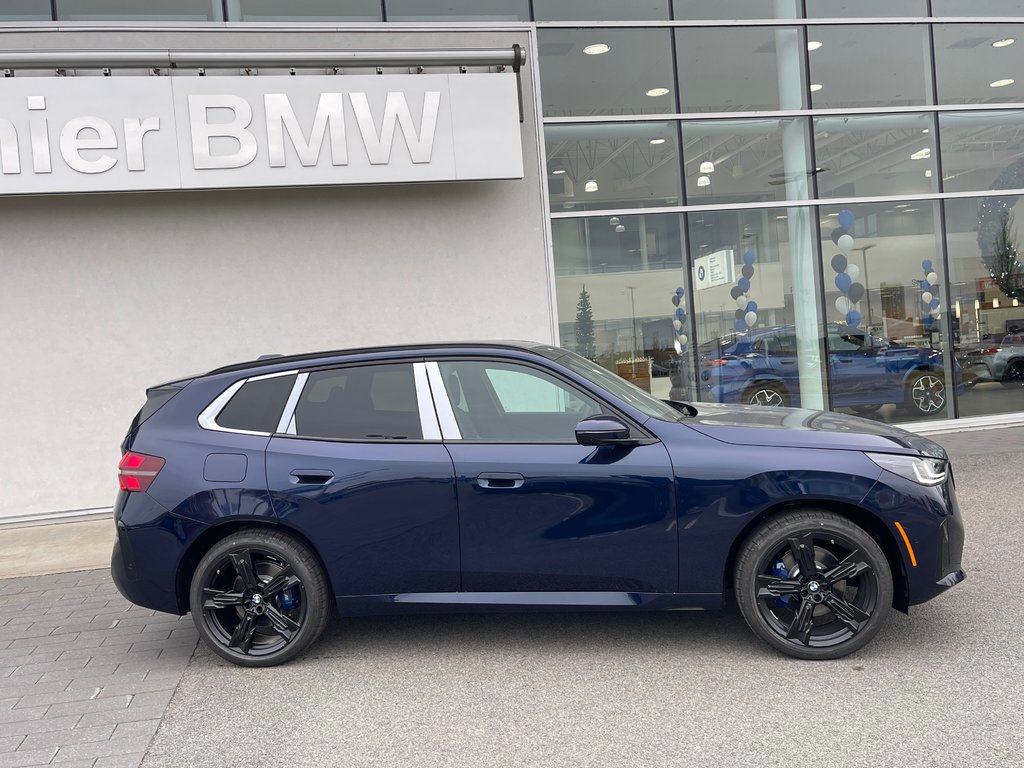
{"type": "Point", "coordinates": [312, 476]}
{"type": "Point", "coordinates": [509, 480]}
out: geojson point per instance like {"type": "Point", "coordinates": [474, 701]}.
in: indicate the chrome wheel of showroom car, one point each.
{"type": "Point", "coordinates": [926, 392]}
{"type": "Point", "coordinates": [813, 585]}
{"type": "Point", "coordinates": [259, 598]}
{"type": "Point", "coordinates": [1014, 374]}
{"type": "Point", "coordinates": [766, 394]}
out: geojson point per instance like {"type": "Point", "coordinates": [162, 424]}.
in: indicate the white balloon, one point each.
{"type": "Point", "coordinates": [853, 271]}
{"type": "Point", "coordinates": [679, 348]}
{"type": "Point", "coordinates": [926, 298]}
{"type": "Point", "coordinates": [751, 318]}
{"type": "Point", "coordinates": [843, 305]}
{"type": "Point", "coordinates": [677, 326]}
{"type": "Point", "coordinates": [932, 278]}
{"type": "Point", "coordinates": [741, 302]}
{"type": "Point", "coordinates": [845, 244]}
{"type": "Point", "coordinates": [682, 338]}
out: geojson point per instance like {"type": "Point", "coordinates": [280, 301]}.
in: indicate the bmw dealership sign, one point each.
{"type": "Point", "coordinates": [107, 134]}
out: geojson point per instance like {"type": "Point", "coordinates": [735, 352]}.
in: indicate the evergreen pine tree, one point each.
{"type": "Point", "coordinates": [585, 344]}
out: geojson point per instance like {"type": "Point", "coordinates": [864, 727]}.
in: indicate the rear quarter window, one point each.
{"type": "Point", "coordinates": [257, 406]}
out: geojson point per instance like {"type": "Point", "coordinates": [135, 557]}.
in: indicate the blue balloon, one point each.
{"type": "Point", "coordinates": [741, 326]}
{"type": "Point", "coordinates": [928, 321]}
{"type": "Point", "coordinates": [682, 318]}
{"type": "Point", "coordinates": [749, 258]}
{"type": "Point", "coordinates": [751, 306]}
{"type": "Point", "coordinates": [926, 265]}
{"type": "Point", "coordinates": [934, 304]}
{"type": "Point", "coordinates": [680, 314]}
{"type": "Point", "coordinates": [843, 282]}
{"type": "Point", "coordinates": [743, 284]}
{"type": "Point", "coordinates": [853, 317]}
{"type": "Point", "coordinates": [846, 219]}
{"type": "Point", "coordinates": [680, 292]}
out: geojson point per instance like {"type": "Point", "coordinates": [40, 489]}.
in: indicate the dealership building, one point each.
{"type": "Point", "coordinates": [674, 188]}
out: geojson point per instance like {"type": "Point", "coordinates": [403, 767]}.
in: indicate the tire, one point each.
{"type": "Point", "coordinates": [1013, 376]}
{"type": "Point", "coordinates": [768, 393]}
{"type": "Point", "coordinates": [926, 393]}
{"type": "Point", "coordinates": [259, 598]}
{"type": "Point", "coordinates": [801, 616]}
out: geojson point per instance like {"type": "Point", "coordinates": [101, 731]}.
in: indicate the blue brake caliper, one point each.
{"type": "Point", "coordinates": [779, 569]}
{"type": "Point", "coordinates": [286, 600]}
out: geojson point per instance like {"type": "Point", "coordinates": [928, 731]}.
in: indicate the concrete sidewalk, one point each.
{"type": "Point", "coordinates": [56, 548]}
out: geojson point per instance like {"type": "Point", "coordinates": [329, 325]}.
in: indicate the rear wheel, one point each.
{"type": "Point", "coordinates": [926, 393]}
{"type": "Point", "coordinates": [813, 585]}
{"type": "Point", "coordinates": [768, 393]}
{"type": "Point", "coordinates": [1013, 376]}
{"type": "Point", "coordinates": [259, 598]}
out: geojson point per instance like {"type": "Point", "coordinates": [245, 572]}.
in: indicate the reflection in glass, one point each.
{"type": "Point", "coordinates": [157, 10]}
{"type": "Point", "coordinates": [25, 10]}
{"type": "Point", "coordinates": [599, 10]}
{"type": "Point", "coordinates": [756, 319]}
{"type": "Point", "coordinates": [867, 155]}
{"type": "Point", "coordinates": [738, 161]}
{"type": "Point", "coordinates": [986, 242]}
{"type": "Point", "coordinates": [982, 150]}
{"type": "Point", "coordinates": [616, 281]}
{"type": "Point", "coordinates": [612, 165]}
{"type": "Point", "coordinates": [886, 306]}
{"type": "Point", "coordinates": [845, 9]}
{"type": "Point", "coordinates": [457, 10]}
{"type": "Point", "coordinates": [304, 10]}
{"type": "Point", "coordinates": [606, 71]}
{"type": "Point", "coordinates": [867, 66]}
{"type": "Point", "coordinates": [976, 8]}
{"type": "Point", "coordinates": [739, 69]}
{"type": "Point", "coordinates": [979, 63]}
{"type": "Point", "coordinates": [735, 9]}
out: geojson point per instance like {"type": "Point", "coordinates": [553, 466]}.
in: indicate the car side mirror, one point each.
{"type": "Point", "coordinates": [602, 431]}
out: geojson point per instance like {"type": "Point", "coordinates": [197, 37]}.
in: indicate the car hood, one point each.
{"type": "Point", "coordinates": [801, 428]}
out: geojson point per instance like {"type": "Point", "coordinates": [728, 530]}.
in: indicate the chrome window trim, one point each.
{"type": "Point", "coordinates": [429, 424]}
{"type": "Point", "coordinates": [442, 403]}
{"type": "Point", "coordinates": [208, 417]}
{"type": "Point", "coordinates": [286, 424]}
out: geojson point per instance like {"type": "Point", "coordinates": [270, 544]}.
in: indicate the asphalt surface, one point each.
{"type": "Point", "coordinates": [942, 687]}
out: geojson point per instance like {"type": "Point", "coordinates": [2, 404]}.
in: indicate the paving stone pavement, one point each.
{"type": "Point", "coordinates": [84, 675]}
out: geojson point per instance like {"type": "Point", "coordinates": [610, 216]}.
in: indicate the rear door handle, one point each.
{"type": "Point", "coordinates": [312, 476]}
{"type": "Point", "coordinates": [509, 480]}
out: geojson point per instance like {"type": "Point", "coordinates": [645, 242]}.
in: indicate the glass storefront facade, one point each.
{"type": "Point", "coordinates": [807, 202]}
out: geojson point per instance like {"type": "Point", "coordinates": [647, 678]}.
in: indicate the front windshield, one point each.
{"type": "Point", "coordinates": [616, 385]}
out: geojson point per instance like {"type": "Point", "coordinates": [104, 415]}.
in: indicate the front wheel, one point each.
{"type": "Point", "coordinates": [259, 598]}
{"type": "Point", "coordinates": [813, 585]}
{"type": "Point", "coordinates": [766, 394]}
{"type": "Point", "coordinates": [926, 393]}
{"type": "Point", "coordinates": [1013, 376]}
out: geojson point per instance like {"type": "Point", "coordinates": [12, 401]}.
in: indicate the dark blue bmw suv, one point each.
{"type": "Point", "coordinates": [264, 496]}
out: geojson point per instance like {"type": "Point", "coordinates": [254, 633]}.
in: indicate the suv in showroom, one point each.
{"type": "Point", "coordinates": [865, 372]}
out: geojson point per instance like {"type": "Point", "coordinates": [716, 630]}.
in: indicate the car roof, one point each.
{"type": "Point", "coordinates": [283, 360]}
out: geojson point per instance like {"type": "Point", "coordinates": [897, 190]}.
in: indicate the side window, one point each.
{"type": "Point", "coordinates": [508, 402]}
{"type": "Point", "coordinates": [257, 406]}
{"type": "Point", "coordinates": [371, 402]}
{"type": "Point", "coordinates": [845, 341]}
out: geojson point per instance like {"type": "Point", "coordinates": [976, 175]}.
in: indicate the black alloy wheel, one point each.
{"type": "Point", "coordinates": [926, 393]}
{"type": "Point", "coordinates": [766, 394]}
{"type": "Point", "coordinates": [259, 598]}
{"type": "Point", "coordinates": [1013, 376]}
{"type": "Point", "coordinates": [813, 585]}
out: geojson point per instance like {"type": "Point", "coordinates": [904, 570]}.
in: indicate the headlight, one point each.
{"type": "Point", "coordinates": [920, 469]}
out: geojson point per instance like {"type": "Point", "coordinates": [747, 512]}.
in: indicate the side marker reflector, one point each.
{"type": "Point", "coordinates": [906, 540]}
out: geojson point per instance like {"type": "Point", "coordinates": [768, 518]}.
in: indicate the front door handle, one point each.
{"type": "Point", "coordinates": [505, 480]}
{"type": "Point", "coordinates": [312, 476]}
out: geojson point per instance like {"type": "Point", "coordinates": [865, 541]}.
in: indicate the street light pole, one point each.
{"type": "Point", "coordinates": [632, 314]}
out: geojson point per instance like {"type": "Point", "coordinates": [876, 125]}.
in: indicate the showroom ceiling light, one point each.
{"type": "Point", "coordinates": [657, 91]}
{"type": "Point", "coordinates": [614, 221]}
{"type": "Point", "coordinates": [1004, 42]}
{"type": "Point", "coordinates": [703, 181]}
{"type": "Point", "coordinates": [925, 130]}
{"type": "Point", "coordinates": [922, 154]}
{"type": "Point", "coordinates": [1001, 83]}
{"type": "Point", "coordinates": [814, 45]}
{"type": "Point", "coordinates": [707, 167]}
{"type": "Point", "coordinates": [928, 173]}
{"type": "Point", "coordinates": [657, 141]}
{"type": "Point", "coordinates": [815, 87]}
{"type": "Point", "coordinates": [596, 49]}
{"type": "Point", "coordinates": [620, 227]}
{"type": "Point", "coordinates": [558, 171]}
{"type": "Point", "coordinates": [590, 186]}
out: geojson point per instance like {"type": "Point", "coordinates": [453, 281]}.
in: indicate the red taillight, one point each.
{"type": "Point", "coordinates": [137, 471]}
{"type": "Point", "coordinates": [717, 362]}
{"type": "Point", "coordinates": [991, 351]}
